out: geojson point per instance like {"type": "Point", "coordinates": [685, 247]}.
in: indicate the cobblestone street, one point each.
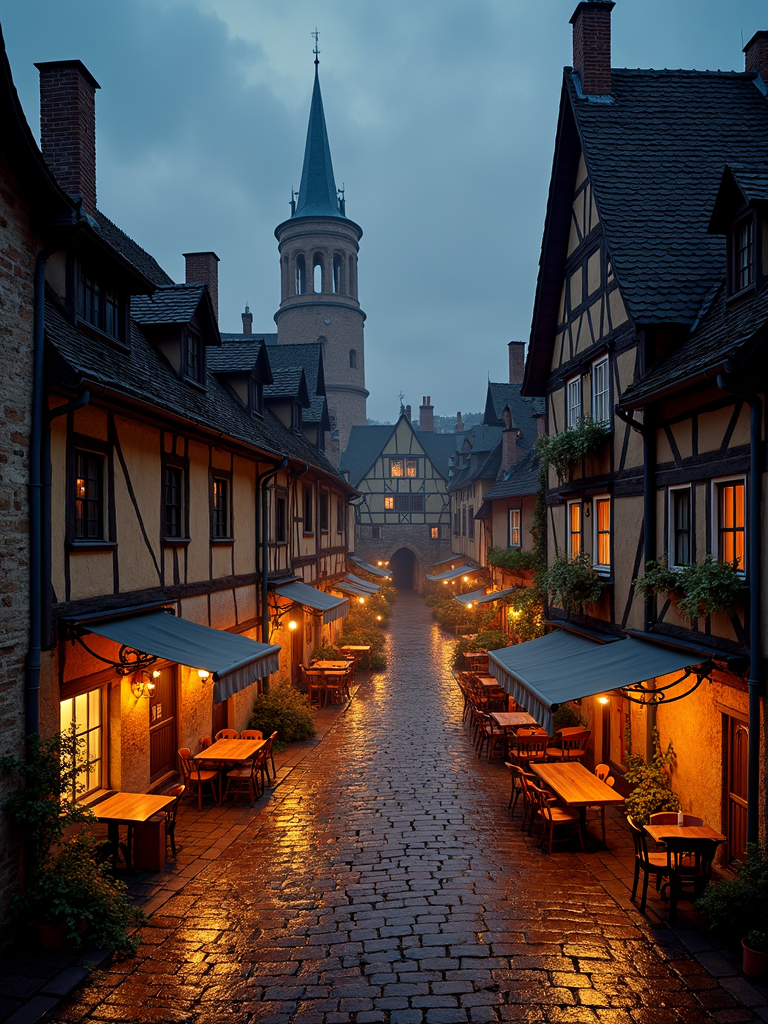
{"type": "Point", "coordinates": [383, 881]}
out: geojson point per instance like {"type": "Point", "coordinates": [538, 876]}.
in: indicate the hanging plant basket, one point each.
{"type": "Point", "coordinates": [573, 582]}
{"type": "Point", "coordinates": [566, 448]}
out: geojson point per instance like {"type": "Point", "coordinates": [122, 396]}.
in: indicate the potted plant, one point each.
{"type": "Point", "coordinates": [658, 579]}
{"type": "Point", "coordinates": [567, 447]}
{"type": "Point", "coordinates": [652, 790]}
{"type": "Point", "coordinates": [709, 587]}
{"type": "Point", "coordinates": [573, 582]}
{"type": "Point", "coordinates": [737, 908]}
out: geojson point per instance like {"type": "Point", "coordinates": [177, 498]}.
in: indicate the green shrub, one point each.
{"type": "Point", "coordinates": [709, 587]}
{"type": "Point", "coordinates": [526, 620]}
{"type": "Point", "coordinates": [485, 640]}
{"type": "Point", "coordinates": [573, 582]}
{"type": "Point", "coordinates": [564, 449]}
{"type": "Point", "coordinates": [652, 787]}
{"type": "Point", "coordinates": [285, 709]}
{"type": "Point", "coordinates": [738, 907]}
{"type": "Point", "coordinates": [514, 561]}
{"type": "Point", "coordinates": [657, 578]}
{"type": "Point", "coordinates": [325, 652]}
{"type": "Point", "coordinates": [567, 717]}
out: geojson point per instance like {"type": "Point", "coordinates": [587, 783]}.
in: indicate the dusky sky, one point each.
{"type": "Point", "coordinates": [441, 116]}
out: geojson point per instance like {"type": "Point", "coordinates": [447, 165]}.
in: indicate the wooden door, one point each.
{"type": "Point", "coordinates": [219, 718]}
{"type": "Point", "coordinates": [615, 716]}
{"type": "Point", "coordinates": [735, 786]}
{"type": "Point", "coordinates": [162, 724]}
{"type": "Point", "coordinates": [297, 644]}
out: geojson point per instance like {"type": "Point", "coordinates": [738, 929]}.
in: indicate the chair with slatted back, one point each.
{"type": "Point", "coordinates": [603, 772]}
{"type": "Point", "coordinates": [649, 863]}
{"type": "Point", "coordinates": [573, 745]}
{"type": "Point", "coordinates": [268, 757]}
{"type": "Point", "coordinates": [551, 815]}
{"type": "Point", "coordinates": [246, 777]}
{"type": "Point", "coordinates": [205, 742]}
{"type": "Point", "coordinates": [227, 734]}
{"type": "Point", "coordinates": [194, 775]}
{"type": "Point", "coordinates": [314, 683]}
{"type": "Point", "coordinates": [251, 734]}
{"type": "Point", "coordinates": [690, 865]}
{"type": "Point", "coordinates": [335, 686]}
{"type": "Point", "coordinates": [528, 747]}
{"type": "Point", "coordinates": [492, 734]}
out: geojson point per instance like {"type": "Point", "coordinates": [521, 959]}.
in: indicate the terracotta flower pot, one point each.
{"type": "Point", "coordinates": [753, 963]}
{"type": "Point", "coordinates": [51, 935]}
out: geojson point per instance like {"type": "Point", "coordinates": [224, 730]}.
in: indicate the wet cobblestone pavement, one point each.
{"type": "Point", "coordinates": [385, 882]}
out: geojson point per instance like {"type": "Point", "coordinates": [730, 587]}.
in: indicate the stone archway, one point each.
{"type": "Point", "coordinates": [404, 564]}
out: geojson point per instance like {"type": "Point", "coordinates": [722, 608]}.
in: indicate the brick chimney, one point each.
{"type": "Point", "coordinates": [68, 127]}
{"type": "Point", "coordinates": [516, 361]}
{"type": "Point", "coordinates": [459, 428]}
{"type": "Point", "coordinates": [427, 414]}
{"type": "Point", "coordinates": [592, 45]}
{"type": "Point", "coordinates": [204, 266]}
{"type": "Point", "coordinates": [247, 322]}
{"type": "Point", "coordinates": [408, 413]}
{"type": "Point", "coordinates": [756, 55]}
{"type": "Point", "coordinates": [511, 451]}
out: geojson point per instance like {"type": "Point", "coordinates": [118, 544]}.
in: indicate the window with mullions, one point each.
{"type": "Point", "coordinates": [406, 502]}
{"type": "Point", "coordinates": [174, 501]}
{"type": "Point", "coordinates": [731, 523]}
{"type": "Point", "coordinates": [744, 273]}
{"type": "Point", "coordinates": [86, 712]}
{"type": "Point", "coordinates": [680, 525]}
{"type": "Point", "coordinates": [309, 498]}
{"type": "Point", "coordinates": [574, 529]}
{"type": "Point", "coordinates": [193, 353]}
{"type": "Point", "coordinates": [100, 305]}
{"type": "Point", "coordinates": [602, 550]}
{"type": "Point", "coordinates": [573, 403]}
{"type": "Point", "coordinates": [220, 526]}
{"type": "Point", "coordinates": [601, 392]}
{"type": "Point", "coordinates": [396, 467]}
{"type": "Point", "coordinates": [89, 496]}
{"type": "Point", "coordinates": [514, 529]}
{"type": "Point", "coordinates": [464, 521]}
{"type": "Point", "coordinates": [457, 524]}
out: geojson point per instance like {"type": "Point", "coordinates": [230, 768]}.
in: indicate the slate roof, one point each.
{"type": "Point", "coordinates": [363, 448]}
{"type": "Point", "coordinates": [288, 382]}
{"type": "Point", "coordinates": [126, 246]}
{"type": "Point", "coordinates": [309, 356]}
{"type": "Point", "coordinates": [168, 304]}
{"type": "Point", "coordinates": [142, 373]}
{"type": "Point", "coordinates": [723, 331]}
{"type": "Point", "coordinates": [234, 357]}
{"type": "Point", "coordinates": [753, 181]}
{"type": "Point", "coordinates": [317, 191]}
{"type": "Point", "coordinates": [521, 479]}
{"type": "Point", "coordinates": [655, 156]}
{"type": "Point", "coordinates": [440, 448]}
{"type": "Point", "coordinates": [523, 409]}
{"type": "Point", "coordinates": [269, 339]}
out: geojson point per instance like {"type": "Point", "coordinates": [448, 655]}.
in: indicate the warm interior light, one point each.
{"type": "Point", "coordinates": [156, 674]}
{"type": "Point", "coordinates": [292, 624]}
{"type": "Point", "coordinates": [203, 673]}
{"type": "Point", "coordinates": [150, 688]}
{"type": "Point", "coordinates": [602, 700]}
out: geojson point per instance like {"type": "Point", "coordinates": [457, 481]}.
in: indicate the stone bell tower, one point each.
{"type": "Point", "coordinates": [318, 248]}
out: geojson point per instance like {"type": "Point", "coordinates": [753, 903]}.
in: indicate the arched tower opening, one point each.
{"type": "Point", "coordinates": [404, 565]}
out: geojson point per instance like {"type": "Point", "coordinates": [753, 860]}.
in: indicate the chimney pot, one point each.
{"type": "Point", "coordinates": [427, 415]}
{"type": "Point", "coordinates": [756, 55]}
{"type": "Point", "coordinates": [68, 127]}
{"type": "Point", "coordinates": [204, 266]}
{"type": "Point", "coordinates": [592, 45]}
{"type": "Point", "coordinates": [516, 362]}
{"type": "Point", "coordinates": [247, 322]}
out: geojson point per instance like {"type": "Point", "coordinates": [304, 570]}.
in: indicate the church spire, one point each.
{"type": "Point", "coordinates": [317, 193]}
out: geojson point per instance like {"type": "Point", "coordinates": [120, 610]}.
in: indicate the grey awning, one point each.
{"type": "Point", "coordinates": [563, 666]}
{"type": "Point", "coordinates": [374, 570]}
{"type": "Point", "coordinates": [310, 597]}
{"type": "Point", "coordinates": [234, 661]}
{"type": "Point", "coordinates": [480, 596]}
{"type": "Point", "coordinates": [372, 588]}
{"type": "Point", "coordinates": [452, 574]}
{"type": "Point", "coordinates": [348, 587]}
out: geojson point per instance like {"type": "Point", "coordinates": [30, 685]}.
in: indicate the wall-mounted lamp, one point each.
{"type": "Point", "coordinates": [156, 674]}
{"type": "Point", "coordinates": [293, 624]}
{"type": "Point", "coordinates": [361, 600]}
{"type": "Point", "coordinates": [587, 509]}
{"type": "Point", "coordinates": [204, 674]}
{"type": "Point", "coordinates": [142, 685]}
{"type": "Point", "coordinates": [378, 618]}
{"type": "Point", "coordinates": [602, 700]}
{"type": "Point", "coordinates": [379, 564]}
{"type": "Point", "coordinates": [469, 605]}
{"type": "Point", "coordinates": [465, 578]}
{"type": "Point", "coordinates": [445, 583]}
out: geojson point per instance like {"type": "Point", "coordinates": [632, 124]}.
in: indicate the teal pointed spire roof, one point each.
{"type": "Point", "coordinates": [317, 192]}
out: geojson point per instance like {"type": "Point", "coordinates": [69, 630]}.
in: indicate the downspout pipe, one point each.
{"type": "Point", "coordinates": [262, 543]}
{"type": "Point", "coordinates": [647, 430]}
{"type": "Point", "coordinates": [754, 561]}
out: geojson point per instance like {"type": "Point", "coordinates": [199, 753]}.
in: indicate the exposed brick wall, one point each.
{"type": "Point", "coordinates": [516, 362]}
{"type": "Point", "coordinates": [511, 451]}
{"type": "Point", "coordinates": [756, 55]}
{"type": "Point", "coordinates": [17, 249]}
{"type": "Point", "coordinates": [427, 414]}
{"type": "Point", "coordinates": [592, 45]}
{"type": "Point", "coordinates": [68, 126]}
{"type": "Point", "coordinates": [247, 322]}
{"type": "Point", "coordinates": [204, 266]}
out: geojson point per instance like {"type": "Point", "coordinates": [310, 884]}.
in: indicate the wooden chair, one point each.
{"type": "Point", "coordinates": [227, 734]}
{"type": "Point", "coordinates": [194, 775]}
{"type": "Point", "coordinates": [335, 686]}
{"type": "Point", "coordinates": [315, 686]}
{"type": "Point", "coordinates": [552, 816]}
{"type": "Point", "coordinates": [655, 864]}
{"type": "Point", "coordinates": [268, 757]}
{"type": "Point", "coordinates": [246, 778]}
{"type": "Point", "coordinates": [529, 747]}
{"type": "Point", "coordinates": [205, 742]}
{"type": "Point", "coordinates": [603, 772]}
{"type": "Point", "coordinates": [493, 735]}
{"type": "Point", "coordinates": [670, 818]}
{"type": "Point", "coordinates": [251, 734]}
{"type": "Point", "coordinates": [690, 864]}
{"type": "Point", "coordinates": [573, 745]}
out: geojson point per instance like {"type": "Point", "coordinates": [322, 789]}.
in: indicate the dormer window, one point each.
{"type": "Point", "coordinates": [744, 254]}
{"type": "Point", "coordinates": [257, 396]}
{"type": "Point", "coordinates": [100, 306]}
{"type": "Point", "coordinates": [296, 417]}
{"type": "Point", "coordinates": [193, 356]}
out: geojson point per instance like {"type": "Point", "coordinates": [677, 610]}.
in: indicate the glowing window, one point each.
{"type": "Point", "coordinates": [389, 502]}
{"type": "Point", "coordinates": [396, 467]}
{"type": "Point", "coordinates": [85, 711]}
{"type": "Point", "coordinates": [731, 532]}
{"type": "Point", "coordinates": [602, 552]}
{"type": "Point", "coordinates": [574, 529]}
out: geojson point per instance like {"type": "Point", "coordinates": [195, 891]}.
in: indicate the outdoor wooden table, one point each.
{"type": "Point", "coordinates": [330, 666]}
{"type": "Point", "coordinates": [489, 681]}
{"type": "Point", "coordinates": [356, 648]}
{"type": "Point", "coordinates": [128, 809]}
{"type": "Point", "coordinates": [661, 832]}
{"type": "Point", "coordinates": [513, 719]}
{"type": "Point", "coordinates": [577, 787]}
{"type": "Point", "coordinates": [235, 751]}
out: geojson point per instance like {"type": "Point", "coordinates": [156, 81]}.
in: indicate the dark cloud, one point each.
{"type": "Point", "coordinates": [441, 114]}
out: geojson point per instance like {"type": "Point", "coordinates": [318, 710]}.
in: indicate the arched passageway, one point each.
{"type": "Point", "coordinates": [403, 565]}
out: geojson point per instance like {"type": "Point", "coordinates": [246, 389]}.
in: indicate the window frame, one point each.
{"type": "Point", "coordinates": [603, 361]}
{"type": "Point", "coordinates": [411, 464]}
{"type": "Point", "coordinates": [308, 509]}
{"type": "Point", "coordinates": [324, 510]}
{"type": "Point", "coordinates": [395, 462]}
{"type": "Point", "coordinates": [102, 759]}
{"type": "Point", "coordinates": [717, 529]}
{"type": "Point", "coordinates": [570, 533]}
{"type": "Point", "coordinates": [174, 464]}
{"type": "Point", "coordinates": [280, 518]}
{"type": "Point", "coordinates": [219, 520]}
{"type": "Point", "coordinates": [194, 371]}
{"type": "Point", "coordinates": [603, 568]}
{"type": "Point", "coordinates": [571, 422]}
{"type": "Point", "coordinates": [746, 220]}
{"type": "Point", "coordinates": [95, 446]}
{"type": "Point", "coordinates": [513, 513]}
{"type": "Point", "coordinates": [672, 528]}
{"type": "Point", "coordinates": [99, 501]}
{"type": "Point", "coordinates": [109, 298]}
{"type": "Point", "coordinates": [339, 515]}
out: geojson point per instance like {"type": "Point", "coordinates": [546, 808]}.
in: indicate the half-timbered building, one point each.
{"type": "Point", "coordinates": [403, 514]}
{"type": "Point", "coordinates": [649, 321]}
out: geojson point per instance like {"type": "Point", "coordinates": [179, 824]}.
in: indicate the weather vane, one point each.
{"type": "Point", "coordinates": [316, 50]}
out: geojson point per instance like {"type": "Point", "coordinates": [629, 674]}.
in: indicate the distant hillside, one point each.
{"type": "Point", "coordinates": [443, 424]}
